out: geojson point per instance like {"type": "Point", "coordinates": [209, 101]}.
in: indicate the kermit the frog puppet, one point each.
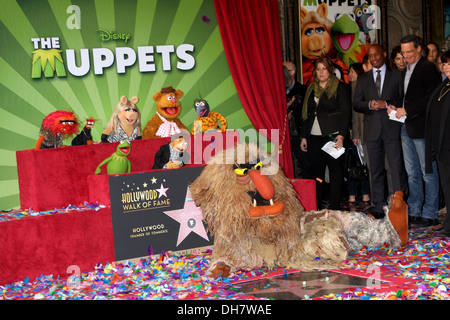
{"type": "Point", "coordinates": [118, 162]}
{"type": "Point", "coordinates": [345, 36]}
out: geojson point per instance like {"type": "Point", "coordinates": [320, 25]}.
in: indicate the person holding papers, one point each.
{"type": "Point", "coordinates": [376, 91]}
{"type": "Point", "coordinates": [326, 116]}
{"type": "Point", "coordinates": [420, 79]}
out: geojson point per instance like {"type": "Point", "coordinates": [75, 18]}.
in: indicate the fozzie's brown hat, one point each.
{"type": "Point", "coordinates": [167, 90]}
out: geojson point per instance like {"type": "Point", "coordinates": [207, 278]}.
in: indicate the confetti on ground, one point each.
{"type": "Point", "coordinates": [160, 277]}
{"type": "Point", "coordinates": [15, 214]}
{"type": "Point", "coordinates": [418, 271]}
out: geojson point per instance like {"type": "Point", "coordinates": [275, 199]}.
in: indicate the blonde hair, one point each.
{"type": "Point", "coordinates": [123, 104]}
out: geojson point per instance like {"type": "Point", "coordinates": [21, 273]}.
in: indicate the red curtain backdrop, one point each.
{"type": "Point", "coordinates": [250, 31]}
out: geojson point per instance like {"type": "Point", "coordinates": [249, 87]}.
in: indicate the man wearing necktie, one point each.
{"type": "Point", "coordinates": [378, 82]}
{"type": "Point", "coordinates": [375, 91]}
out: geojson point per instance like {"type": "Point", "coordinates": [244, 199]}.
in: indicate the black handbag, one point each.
{"type": "Point", "coordinates": [353, 168]}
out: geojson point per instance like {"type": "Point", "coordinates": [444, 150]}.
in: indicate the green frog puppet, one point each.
{"type": "Point", "coordinates": [118, 162]}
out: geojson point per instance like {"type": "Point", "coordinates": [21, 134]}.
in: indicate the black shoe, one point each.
{"type": "Point", "coordinates": [424, 222]}
{"type": "Point", "coordinates": [371, 212]}
{"type": "Point", "coordinates": [369, 209]}
{"type": "Point", "coordinates": [377, 215]}
{"type": "Point", "coordinates": [412, 220]}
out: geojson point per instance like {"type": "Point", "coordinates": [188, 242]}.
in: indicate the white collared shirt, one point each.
{"type": "Point", "coordinates": [409, 71]}
{"type": "Point", "coordinates": [382, 75]}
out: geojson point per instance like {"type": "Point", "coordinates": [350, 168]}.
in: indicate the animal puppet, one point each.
{"type": "Point", "coordinates": [125, 122]}
{"type": "Point", "coordinates": [118, 162]}
{"type": "Point", "coordinates": [317, 41]}
{"type": "Point", "coordinates": [207, 120]}
{"type": "Point", "coordinates": [172, 155]}
{"type": "Point", "coordinates": [165, 122]}
{"type": "Point", "coordinates": [56, 127]}
{"type": "Point", "coordinates": [257, 221]}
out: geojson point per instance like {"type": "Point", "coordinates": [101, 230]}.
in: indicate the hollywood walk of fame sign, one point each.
{"type": "Point", "coordinates": [154, 212]}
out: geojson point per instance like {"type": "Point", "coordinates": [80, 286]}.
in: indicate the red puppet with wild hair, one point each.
{"type": "Point", "coordinates": [56, 127]}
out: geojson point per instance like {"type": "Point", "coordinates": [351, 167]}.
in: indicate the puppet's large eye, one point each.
{"type": "Point", "coordinates": [366, 9]}
{"type": "Point", "coordinates": [241, 171]}
{"type": "Point", "coordinates": [258, 166]}
{"type": "Point", "coordinates": [70, 122]}
{"type": "Point", "coordinates": [320, 30]}
{"type": "Point", "coordinates": [197, 104]}
{"type": "Point", "coordinates": [169, 97]}
{"type": "Point", "coordinates": [309, 32]}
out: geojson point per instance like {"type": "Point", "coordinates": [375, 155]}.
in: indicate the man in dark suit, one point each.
{"type": "Point", "coordinates": [375, 91]}
{"type": "Point", "coordinates": [420, 78]}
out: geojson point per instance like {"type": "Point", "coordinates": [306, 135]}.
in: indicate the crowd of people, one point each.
{"type": "Point", "coordinates": [394, 115]}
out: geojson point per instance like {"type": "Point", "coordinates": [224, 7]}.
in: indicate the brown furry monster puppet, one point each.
{"type": "Point", "coordinates": [165, 122]}
{"type": "Point", "coordinates": [257, 221]}
{"type": "Point", "coordinates": [56, 127]}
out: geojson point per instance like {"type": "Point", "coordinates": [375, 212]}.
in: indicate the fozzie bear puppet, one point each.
{"type": "Point", "coordinates": [165, 122]}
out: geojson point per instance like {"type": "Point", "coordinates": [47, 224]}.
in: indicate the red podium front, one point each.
{"type": "Point", "coordinates": [56, 178]}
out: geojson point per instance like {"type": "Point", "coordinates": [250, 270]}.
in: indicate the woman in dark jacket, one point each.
{"type": "Point", "coordinates": [326, 117]}
{"type": "Point", "coordinates": [437, 135]}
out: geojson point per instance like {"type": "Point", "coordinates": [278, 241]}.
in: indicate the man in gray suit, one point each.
{"type": "Point", "coordinates": [375, 91]}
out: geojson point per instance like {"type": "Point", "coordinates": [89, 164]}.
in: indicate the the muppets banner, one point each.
{"type": "Point", "coordinates": [342, 30]}
{"type": "Point", "coordinates": [84, 55]}
{"type": "Point", "coordinates": [154, 212]}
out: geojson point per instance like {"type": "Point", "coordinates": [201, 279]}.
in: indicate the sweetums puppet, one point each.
{"type": "Point", "coordinates": [125, 122]}
{"type": "Point", "coordinates": [253, 213]}
{"type": "Point", "coordinates": [165, 122]}
{"type": "Point", "coordinates": [56, 127]}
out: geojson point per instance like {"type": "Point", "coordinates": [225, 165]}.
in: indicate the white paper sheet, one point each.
{"type": "Point", "coordinates": [392, 116]}
{"type": "Point", "coordinates": [361, 155]}
{"type": "Point", "coordinates": [332, 150]}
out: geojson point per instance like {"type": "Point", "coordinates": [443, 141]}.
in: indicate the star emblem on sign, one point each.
{"type": "Point", "coordinates": [190, 218]}
{"type": "Point", "coordinates": [162, 191]}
